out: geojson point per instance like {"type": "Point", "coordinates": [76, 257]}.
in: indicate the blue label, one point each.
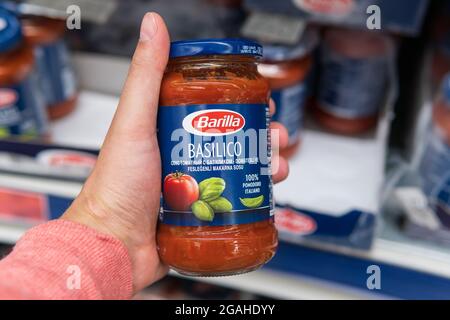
{"type": "Point", "coordinates": [22, 110]}
{"type": "Point", "coordinates": [352, 88]}
{"type": "Point", "coordinates": [290, 104]}
{"type": "Point", "coordinates": [215, 164]}
{"type": "Point", "coordinates": [56, 74]}
{"type": "Point", "coordinates": [435, 172]}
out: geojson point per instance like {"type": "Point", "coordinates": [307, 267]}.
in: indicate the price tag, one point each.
{"type": "Point", "coordinates": [277, 28]}
{"type": "Point", "coordinates": [97, 11]}
{"type": "Point", "coordinates": [415, 204]}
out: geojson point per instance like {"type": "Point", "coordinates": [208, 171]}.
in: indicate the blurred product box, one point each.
{"type": "Point", "coordinates": [422, 194]}
{"type": "Point", "coordinates": [400, 16]}
{"type": "Point", "coordinates": [333, 193]}
{"type": "Point", "coordinates": [417, 187]}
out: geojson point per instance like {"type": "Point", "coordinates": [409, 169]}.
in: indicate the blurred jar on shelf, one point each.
{"type": "Point", "coordinates": [22, 110]}
{"type": "Point", "coordinates": [440, 38]}
{"type": "Point", "coordinates": [56, 74]}
{"type": "Point", "coordinates": [435, 165]}
{"type": "Point", "coordinates": [288, 69]}
{"type": "Point", "coordinates": [355, 68]}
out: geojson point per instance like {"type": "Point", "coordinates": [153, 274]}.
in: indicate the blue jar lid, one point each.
{"type": "Point", "coordinates": [10, 30]}
{"type": "Point", "coordinates": [206, 47]}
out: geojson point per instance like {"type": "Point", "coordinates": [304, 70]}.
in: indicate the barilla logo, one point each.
{"type": "Point", "coordinates": [218, 122]}
{"type": "Point", "coordinates": [294, 222]}
{"type": "Point", "coordinates": [334, 7]}
{"type": "Point", "coordinates": [8, 97]}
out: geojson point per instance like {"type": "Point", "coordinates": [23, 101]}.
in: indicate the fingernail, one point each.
{"type": "Point", "coordinates": [148, 27]}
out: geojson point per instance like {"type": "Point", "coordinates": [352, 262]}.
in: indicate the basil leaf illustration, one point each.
{"type": "Point", "coordinates": [211, 188]}
{"type": "Point", "coordinates": [221, 204]}
{"type": "Point", "coordinates": [202, 211]}
{"type": "Point", "coordinates": [252, 202]}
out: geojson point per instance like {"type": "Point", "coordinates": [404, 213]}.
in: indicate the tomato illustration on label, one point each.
{"type": "Point", "coordinates": [180, 191]}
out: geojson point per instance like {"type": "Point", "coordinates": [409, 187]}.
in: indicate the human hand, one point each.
{"type": "Point", "coordinates": [121, 197]}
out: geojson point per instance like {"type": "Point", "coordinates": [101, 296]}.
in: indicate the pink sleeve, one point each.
{"type": "Point", "coordinates": [66, 260]}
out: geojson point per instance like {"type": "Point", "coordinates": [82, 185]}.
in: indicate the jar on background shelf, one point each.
{"type": "Point", "coordinates": [355, 67]}
{"type": "Point", "coordinates": [22, 110]}
{"type": "Point", "coordinates": [56, 74]}
{"type": "Point", "coordinates": [288, 69]}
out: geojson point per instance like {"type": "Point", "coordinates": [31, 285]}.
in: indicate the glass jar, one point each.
{"type": "Point", "coordinates": [288, 68]}
{"type": "Point", "coordinates": [217, 213]}
{"type": "Point", "coordinates": [22, 111]}
{"type": "Point", "coordinates": [355, 67]}
{"type": "Point", "coordinates": [57, 77]}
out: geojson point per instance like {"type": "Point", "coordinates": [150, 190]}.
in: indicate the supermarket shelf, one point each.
{"type": "Point", "coordinates": [297, 281]}
{"type": "Point", "coordinates": [400, 254]}
{"type": "Point", "coordinates": [264, 282]}
{"type": "Point", "coordinates": [409, 268]}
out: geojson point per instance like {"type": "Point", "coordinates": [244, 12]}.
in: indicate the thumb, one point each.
{"type": "Point", "coordinates": [137, 111]}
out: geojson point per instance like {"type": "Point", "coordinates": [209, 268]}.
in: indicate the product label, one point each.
{"type": "Point", "coordinates": [435, 172]}
{"type": "Point", "coordinates": [57, 78]}
{"type": "Point", "coordinates": [290, 108]}
{"type": "Point", "coordinates": [352, 88]}
{"type": "Point", "coordinates": [335, 7]}
{"type": "Point", "coordinates": [215, 164]}
{"type": "Point", "coordinates": [21, 110]}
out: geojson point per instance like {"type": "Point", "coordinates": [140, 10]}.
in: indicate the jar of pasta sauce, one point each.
{"type": "Point", "coordinates": [54, 68]}
{"type": "Point", "coordinates": [217, 212]}
{"type": "Point", "coordinates": [22, 110]}
{"type": "Point", "coordinates": [287, 68]}
{"type": "Point", "coordinates": [435, 164]}
{"type": "Point", "coordinates": [355, 69]}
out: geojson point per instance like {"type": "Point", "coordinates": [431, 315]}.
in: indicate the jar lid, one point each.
{"type": "Point", "coordinates": [278, 52]}
{"type": "Point", "coordinates": [215, 47]}
{"type": "Point", "coordinates": [10, 31]}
